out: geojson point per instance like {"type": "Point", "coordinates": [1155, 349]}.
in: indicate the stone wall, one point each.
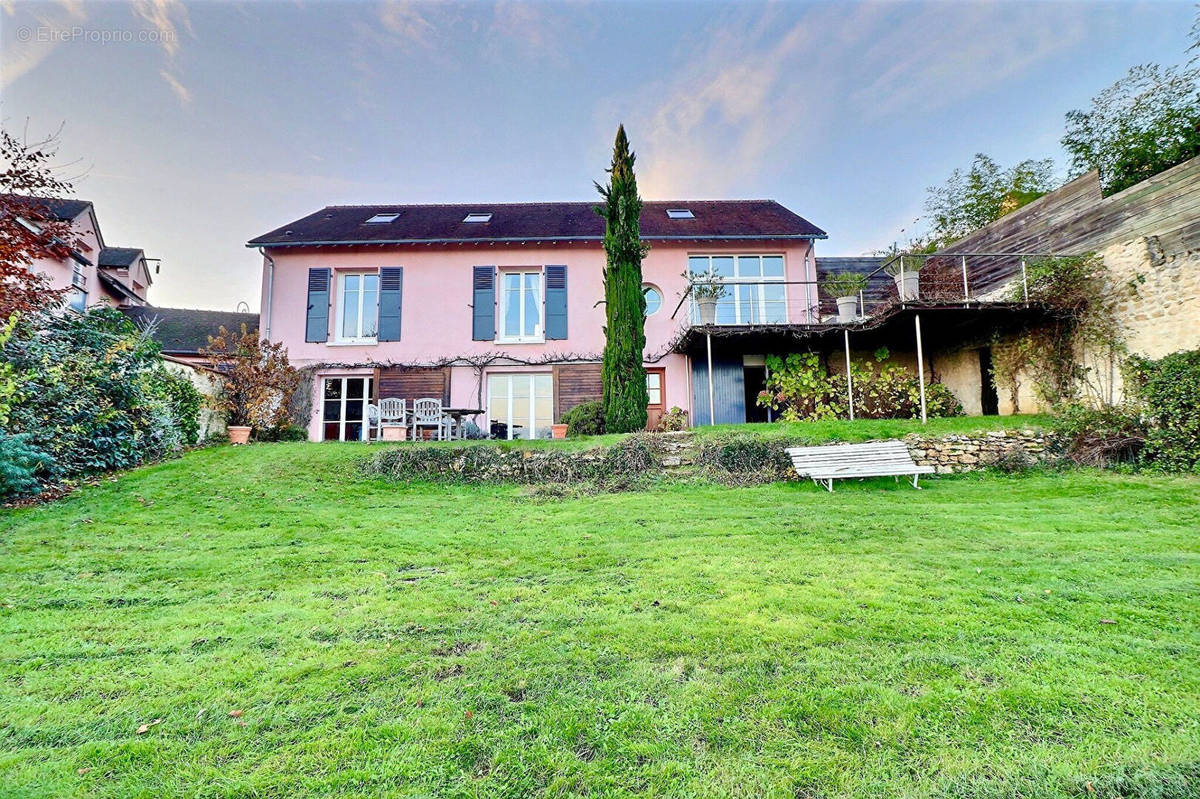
{"type": "Point", "coordinates": [964, 453]}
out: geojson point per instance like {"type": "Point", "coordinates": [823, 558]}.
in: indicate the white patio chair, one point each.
{"type": "Point", "coordinates": [392, 410]}
{"type": "Point", "coordinates": [427, 412]}
{"type": "Point", "coordinates": [373, 422]}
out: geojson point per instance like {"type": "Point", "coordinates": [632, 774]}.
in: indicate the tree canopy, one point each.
{"type": "Point", "coordinates": [970, 199]}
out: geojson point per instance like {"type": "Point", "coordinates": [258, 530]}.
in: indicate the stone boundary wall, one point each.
{"type": "Point", "coordinates": [681, 453]}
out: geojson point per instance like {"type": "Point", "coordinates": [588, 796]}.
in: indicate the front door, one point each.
{"type": "Point", "coordinates": [656, 391]}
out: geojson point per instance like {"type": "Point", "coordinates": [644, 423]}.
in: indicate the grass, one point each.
{"type": "Point", "coordinates": [691, 640]}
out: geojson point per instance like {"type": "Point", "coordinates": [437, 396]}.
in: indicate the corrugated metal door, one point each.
{"type": "Point", "coordinates": [729, 390]}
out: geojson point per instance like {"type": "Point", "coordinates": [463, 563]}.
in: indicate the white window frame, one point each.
{"type": "Point", "coordinates": [530, 423]}
{"type": "Point", "coordinates": [368, 386]}
{"type": "Point", "coordinates": [731, 284]}
{"type": "Point", "coordinates": [78, 300]}
{"type": "Point", "coordinates": [539, 332]}
{"type": "Point", "coordinates": [341, 308]}
{"type": "Point", "coordinates": [662, 298]}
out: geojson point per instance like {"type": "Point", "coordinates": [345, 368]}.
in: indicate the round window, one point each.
{"type": "Point", "coordinates": [653, 298]}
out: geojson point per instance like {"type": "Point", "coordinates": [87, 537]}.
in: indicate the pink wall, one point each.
{"type": "Point", "coordinates": [61, 270]}
{"type": "Point", "coordinates": [437, 314]}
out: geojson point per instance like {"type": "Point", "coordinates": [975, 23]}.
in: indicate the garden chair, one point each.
{"type": "Point", "coordinates": [841, 461]}
{"type": "Point", "coordinates": [427, 413]}
{"type": "Point", "coordinates": [392, 410]}
{"type": "Point", "coordinates": [373, 422]}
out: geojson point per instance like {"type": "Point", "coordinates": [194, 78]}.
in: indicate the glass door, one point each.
{"type": "Point", "coordinates": [520, 405]}
{"type": "Point", "coordinates": [344, 408]}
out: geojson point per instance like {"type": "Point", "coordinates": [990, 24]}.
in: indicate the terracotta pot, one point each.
{"type": "Point", "coordinates": [238, 434]}
{"type": "Point", "coordinates": [395, 432]}
{"type": "Point", "coordinates": [558, 430]}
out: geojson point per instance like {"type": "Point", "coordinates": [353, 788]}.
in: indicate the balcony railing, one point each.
{"type": "Point", "coordinates": [960, 279]}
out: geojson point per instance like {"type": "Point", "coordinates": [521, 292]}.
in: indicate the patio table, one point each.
{"type": "Point", "coordinates": [458, 414]}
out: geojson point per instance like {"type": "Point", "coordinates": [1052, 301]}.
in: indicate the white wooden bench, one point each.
{"type": "Point", "coordinates": [877, 459]}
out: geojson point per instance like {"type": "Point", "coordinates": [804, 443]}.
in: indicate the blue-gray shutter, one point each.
{"type": "Point", "coordinates": [729, 390]}
{"type": "Point", "coordinates": [391, 290]}
{"type": "Point", "coordinates": [483, 298]}
{"type": "Point", "coordinates": [556, 302]}
{"type": "Point", "coordinates": [316, 324]}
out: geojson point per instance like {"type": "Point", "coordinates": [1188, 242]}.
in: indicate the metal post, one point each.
{"type": "Point", "coordinates": [712, 405]}
{"type": "Point", "coordinates": [966, 288]}
{"type": "Point", "coordinates": [862, 306]}
{"type": "Point", "coordinates": [921, 367]}
{"type": "Point", "coordinates": [901, 292]}
{"type": "Point", "coordinates": [849, 379]}
{"type": "Point", "coordinates": [1025, 281]}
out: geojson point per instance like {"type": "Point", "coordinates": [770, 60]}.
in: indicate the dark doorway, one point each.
{"type": "Point", "coordinates": [755, 378]}
{"type": "Point", "coordinates": [988, 398]}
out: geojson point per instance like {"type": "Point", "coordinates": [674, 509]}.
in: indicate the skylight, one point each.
{"type": "Point", "coordinates": [478, 217]}
{"type": "Point", "coordinates": [379, 219]}
{"type": "Point", "coordinates": [680, 213]}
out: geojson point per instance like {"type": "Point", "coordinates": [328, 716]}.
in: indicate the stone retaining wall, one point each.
{"type": "Point", "coordinates": [964, 453]}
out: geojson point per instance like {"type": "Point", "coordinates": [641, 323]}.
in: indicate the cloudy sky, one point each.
{"type": "Point", "coordinates": [196, 126]}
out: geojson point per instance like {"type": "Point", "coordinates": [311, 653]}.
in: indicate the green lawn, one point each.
{"type": "Point", "coordinates": [691, 640]}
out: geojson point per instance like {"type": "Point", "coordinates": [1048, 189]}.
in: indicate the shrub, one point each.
{"type": "Point", "coordinates": [1099, 436]}
{"type": "Point", "coordinates": [585, 419]}
{"type": "Point", "coordinates": [673, 420]}
{"type": "Point", "coordinates": [844, 284]}
{"type": "Point", "coordinates": [289, 432]}
{"type": "Point", "coordinates": [1013, 460]}
{"type": "Point", "coordinates": [743, 460]}
{"type": "Point", "coordinates": [1169, 388]}
{"type": "Point", "coordinates": [95, 395]}
{"type": "Point", "coordinates": [20, 465]}
{"type": "Point", "coordinates": [801, 389]}
{"type": "Point", "coordinates": [186, 401]}
{"type": "Point", "coordinates": [472, 432]}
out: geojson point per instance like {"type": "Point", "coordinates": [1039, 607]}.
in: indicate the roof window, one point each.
{"type": "Point", "coordinates": [379, 219]}
{"type": "Point", "coordinates": [478, 217]}
{"type": "Point", "coordinates": [680, 213]}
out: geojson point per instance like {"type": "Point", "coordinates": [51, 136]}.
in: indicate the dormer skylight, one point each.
{"type": "Point", "coordinates": [680, 213]}
{"type": "Point", "coordinates": [379, 219]}
{"type": "Point", "coordinates": [479, 217]}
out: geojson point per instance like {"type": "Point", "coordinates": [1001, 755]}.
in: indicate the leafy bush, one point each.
{"type": "Point", "coordinates": [1099, 436]}
{"type": "Point", "coordinates": [95, 395]}
{"type": "Point", "coordinates": [20, 465]}
{"type": "Point", "coordinates": [844, 284]}
{"type": "Point", "coordinates": [186, 401]}
{"type": "Point", "coordinates": [801, 389]}
{"type": "Point", "coordinates": [258, 382]}
{"type": "Point", "coordinates": [1169, 388]}
{"type": "Point", "coordinates": [289, 432]}
{"type": "Point", "coordinates": [673, 420]}
{"type": "Point", "coordinates": [585, 419]}
{"type": "Point", "coordinates": [744, 460]}
{"type": "Point", "coordinates": [1013, 460]}
{"type": "Point", "coordinates": [472, 432]}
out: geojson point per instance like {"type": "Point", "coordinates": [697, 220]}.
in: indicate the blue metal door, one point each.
{"type": "Point", "coordinates": [729, 390]}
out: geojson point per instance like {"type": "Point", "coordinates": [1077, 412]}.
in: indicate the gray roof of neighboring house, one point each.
{"type": "Point", "coordinates": [119, 256]}
{"type": "Point", "coordinates": [185, 331]}
{"type": "Point", "coordinates": [534, 222]}
{"type": "Point", "coordinates": [64, 209]}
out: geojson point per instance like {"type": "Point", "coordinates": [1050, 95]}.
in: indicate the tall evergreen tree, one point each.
{"type": "Point", "coordinates": [624, 375]}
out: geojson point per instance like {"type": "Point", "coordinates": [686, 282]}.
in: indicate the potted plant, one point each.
{"type": "Point", "coordinates": [844, 287]}
{"type": "Point", "coordinates": [256, 382]}
{"type": "Point", "coordinates": [706, 290]}
{"type": "Point", "coordinates": [559, 430]}
{"type": "Point", "coordinates": [907, 274]}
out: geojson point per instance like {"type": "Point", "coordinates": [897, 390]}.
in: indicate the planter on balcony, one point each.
{"type": "Point", "coordinates": [847, 308]}
{"type": "Point", "coordinates": [908, 285]}
{"type": "Point", "coordinates": [708, 310]}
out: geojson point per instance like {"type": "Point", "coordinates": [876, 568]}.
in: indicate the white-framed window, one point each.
{"type": "Point", "coordinates": [78, 300]}
{"type": "Point", "coordinates": [78, 279]}
{"type": "Point", "coordinates": [358, 307]}
{"type": "Point", "coordinates": [344, 408]}
{"type": "Point", "coordinates": [521, 405]}
{"type": "Point", "coordinates": [755, 288]}
{"type": "Point", "coordinates": [521, 304]}
{"type": "Point", "coordinates": [654, 379]}
{"type": "Point", "coordinates": [654, 298]}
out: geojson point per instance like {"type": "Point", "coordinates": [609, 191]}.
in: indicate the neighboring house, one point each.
{"type": "Point", "coordinates": [94, 273]}
{"type": "Point", "coordinates": [499, 307]}
{"type": "Point", "coordinates": [182, 333]}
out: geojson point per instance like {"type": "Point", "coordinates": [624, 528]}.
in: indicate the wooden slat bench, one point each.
{"type": "Point", "coordinates": [877, 459]}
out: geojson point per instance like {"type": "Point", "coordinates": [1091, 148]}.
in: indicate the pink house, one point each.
{"type": "Point", "coordinates": [498, 308]}
{"type": "Point", "coordinates": [94, 273]}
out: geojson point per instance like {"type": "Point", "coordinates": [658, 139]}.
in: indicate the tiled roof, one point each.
{"type": "Point", "coordinates": [118, 256]}
{"type": "Point", "coordinates": [185, 331]}
{"type": "Point", "coordinates": [534, 222]}
{"type": "Point", "coordinates": [64, 210]}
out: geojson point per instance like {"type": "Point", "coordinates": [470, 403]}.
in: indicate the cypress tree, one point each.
{"type": "Point", "coordinates": [623, 374]}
